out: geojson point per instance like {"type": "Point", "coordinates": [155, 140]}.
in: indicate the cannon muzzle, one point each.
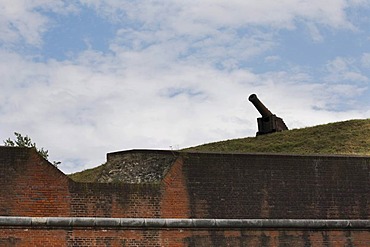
{"type": "Point", "coordinates": [269, 122]}
{"type": "Point", "coordinates": [259, 106]}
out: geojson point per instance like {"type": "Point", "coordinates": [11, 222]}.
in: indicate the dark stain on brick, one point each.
{"type": "Point", "coordinates": [264, 240]}
{"type": "Point", "coordinates": [325, 238]}
{"type": "Point", "coordinates": [9, 241]}
{"type": "Point", "coordinates": [306, 239]}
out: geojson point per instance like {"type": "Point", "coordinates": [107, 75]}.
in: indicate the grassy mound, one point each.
{"type": "Point", "coordinates": [349, 137]}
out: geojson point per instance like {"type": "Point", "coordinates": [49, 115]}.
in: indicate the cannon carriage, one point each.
{"type": "Point", "coordinates": [268, 122]}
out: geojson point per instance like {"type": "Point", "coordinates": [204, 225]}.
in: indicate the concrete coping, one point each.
{"type": "Point", "coordinates": [14, 221]}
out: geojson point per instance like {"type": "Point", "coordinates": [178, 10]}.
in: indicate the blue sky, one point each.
{"type": "Point", "coordinates": [83, 78]}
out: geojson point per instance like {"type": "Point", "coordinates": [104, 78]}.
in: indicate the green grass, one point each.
{"type": "Point", "coordinates": [349, 137]}
{"type": "Point", "coordinates": [87, 176]}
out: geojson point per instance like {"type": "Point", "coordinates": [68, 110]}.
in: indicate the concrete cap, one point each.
{"type": "Point", "coordinates": [86, 221]}
{"type": "Point", "coordinates": [113, 222]}
{"type": "Point", "coordinates": [226, 223]}
{"type": "Point", "coordinates": [132, 222]}
{"type": "Point", "coordinates": [38, 221]}
{"type": "Point", "coordinates": [204, 223]}
{"type": "Point", "coordinates": [154, 222]}
{"type": "Point", "coordinates": [179, 223]}
{"type": "Point", "coordinates": [13, 221]}
{"type": "Point", "coordinates": [59, 221]}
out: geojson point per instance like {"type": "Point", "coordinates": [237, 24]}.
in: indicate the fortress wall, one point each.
{"type": "Point", "coordinates": [175, 197]}
{"type": "Point", "coordinates": [277, 186]}
{"type": "Point", "coordinates": [115, 200]}
{"type": "Point", "coordinates": [30, 185]}
{"type": "Point", "coordinates": [197, 185]}
{"type": "Point", "coordinates": [182, 237]}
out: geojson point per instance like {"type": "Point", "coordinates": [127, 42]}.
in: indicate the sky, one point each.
{"type": "Point", "coordinates": [87, 77]}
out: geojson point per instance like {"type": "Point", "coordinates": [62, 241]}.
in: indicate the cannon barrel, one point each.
{"type": "Point", "coordinates": [259, 106]}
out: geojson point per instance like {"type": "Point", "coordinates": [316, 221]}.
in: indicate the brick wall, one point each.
{"type": "Point", "coordinates": [30, 185]}
{"type": "Point", "coordinates": [197, 185]}
{"type": "Point", "coordinates": [115, 200]}
{"type": "Point", "coordinates": [277, 186]}
{"type": "Point", "coordinates": [175, 197]}
{"type": "Point", "coordinates": [202, 185]}
{"type": "Point", "coordinates": [181, 237]}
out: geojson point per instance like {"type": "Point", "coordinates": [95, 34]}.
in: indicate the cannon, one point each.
{"type": "Point", "coordinates": [268, 122]}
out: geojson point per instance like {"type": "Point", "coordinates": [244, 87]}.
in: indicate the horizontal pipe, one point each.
{"type": "Point", "coordinates": [12, 221]}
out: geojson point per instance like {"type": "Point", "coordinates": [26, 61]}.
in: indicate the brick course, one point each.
{"type": "Point", "coordinates": [182, 237]}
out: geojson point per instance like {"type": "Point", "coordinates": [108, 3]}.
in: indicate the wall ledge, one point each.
{"type": "Point", "coordinates": [52, 222]}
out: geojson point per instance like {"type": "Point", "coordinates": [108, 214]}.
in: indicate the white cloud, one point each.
{"type": "Point", "coordinates": [365, 60]}
{"type": "Point", "coordinates": [101, 103]}
{"type": "Point", "coordinates": [22, 21]}
{"type": "Point", "coordinates": [213, 31]}
{"type": "Point", "coordinates": [344, 69]}
{"type": "Point", "coordinates": [272, 59]}
{"type": "Point", "coordinates": [221, 13]}
{"type": "Point", "coordinates": [315, 33]}
{"type": "Point", "coordinates": [172, 77]}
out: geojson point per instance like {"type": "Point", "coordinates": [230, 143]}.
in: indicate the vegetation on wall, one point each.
{"type": "Point", "coordinates": [88, 175]}
{"type": "Point", "coordinates": [25, 141]}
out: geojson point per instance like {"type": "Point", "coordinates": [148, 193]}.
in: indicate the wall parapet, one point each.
{"type": "Point", "coordinates": [13, 221]}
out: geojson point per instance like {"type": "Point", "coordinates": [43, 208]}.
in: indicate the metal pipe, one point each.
{"type": "Point", "coordinates": [14, 221]}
